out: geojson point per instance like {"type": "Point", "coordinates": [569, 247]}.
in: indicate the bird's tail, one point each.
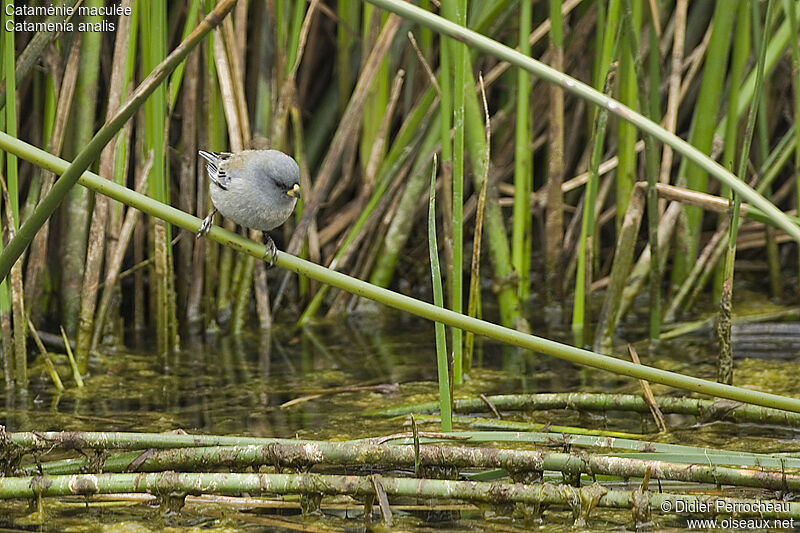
{"type": "Point", "coordinates": [217, 176]}
{"type": "Point", "coordinates": [213, 162]}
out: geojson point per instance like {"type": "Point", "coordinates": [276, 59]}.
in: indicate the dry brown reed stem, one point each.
{"type": "Point", "coordinates": [623, 257]}
{"type": "Point", "coordinates": [287, 92]}
{"type": "Point", "coordinates": [374, 225]}
{"type": "Point", "coordinates": [240, 35]}
{"type": "Point", "coordinates": [376, 154]}
{"type": "Point", "coordinates": [339, 223]}
{"type": "Point", "coordinates": [186, 178]}
{"type": "Point", "coordinates": [671, 116]}
{"type": "Point", "coordinates": [425, 65]}
{"type": "Point", "coordinates": [474, 303]}
{"type": "Point", "coordinates": [367, 186]}
{"type": "Point", "coordinates": [6, 347]}
{"type": "Point", "coordinates": [198, 100]}
{"type": "Point", "coordinates": [48, 363]}
{"type": "Point", "coordinates": [669, 222]}
{"type": "Point", "coordinates": [695, 61]}
{"type": "Point", "coordinates": [756, 239]}
{"type": "Point", "coordinates": [554, 218]}
{"type": "Point", "coordinates": [228, 79]}
{"type": "Point", "coordinates": [573, 183]}
{"type": "Point", "coordinates": [139, 310]}
{"type": "Point", "coordinates": [647, 395]}
{"type": "Point", "coordinates": [97, 229]}
{"type": "Point", "coordinates": [301, 43]}
{"type": "Point", "coordinates": [706, 201]}
{"type": "Point", "coordinates": [656, 18]}
{"type": "Point", "coordinates": [17, 305]}
{"type": "Point", "coordinates": [348, 125]}
{"type": "Point", "coordinates": [231, 83]}
{"type": "Point", "coordinates": [164, 340]}
{"type": "Point", "coordinates": [372, 221]}
{"type": "Point", "coordinates": [117, 254]}
{"type": "Point", "coordinates": [38, 253]}
{"type": "Point", "coordinates": [571, 245]}
{"type": "Point", "coordinates": [711, 252]}
{"type": "Point", "coordinates": [236, 80]}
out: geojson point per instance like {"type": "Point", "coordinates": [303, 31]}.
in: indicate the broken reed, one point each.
{"type": "Point", "coordinates": [191, 452]}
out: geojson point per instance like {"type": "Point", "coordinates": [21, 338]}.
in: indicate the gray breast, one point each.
{"type": "Point", "coordinates": [256, 195]}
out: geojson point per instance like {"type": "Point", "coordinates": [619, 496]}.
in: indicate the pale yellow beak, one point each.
{"type": "Point", "coordinates": [294, 192]}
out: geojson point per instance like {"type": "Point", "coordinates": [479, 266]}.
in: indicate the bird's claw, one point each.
{"type": "Point", "coordinates": [205, 227]}
{"type": "Point", "coordinates": [272, 251]}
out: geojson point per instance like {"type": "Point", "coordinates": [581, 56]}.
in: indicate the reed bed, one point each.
{"type": "Point", "coordinates": [286, 88]}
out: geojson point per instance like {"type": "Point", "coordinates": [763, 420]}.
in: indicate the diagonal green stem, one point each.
{"type": "Point", "coordinates": [410, 305]}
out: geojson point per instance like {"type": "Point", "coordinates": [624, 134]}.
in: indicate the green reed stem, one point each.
{"type": "Point", "coordinates": [628, 95]}
{"type": "Point", "coordinates": [583, 274]}
{"type": "Point", "coordinates": [523, 164]}
{"type": "Point", "coordinates": [462, 83]}
{"type": "Point", "coordinates": [653, 162]}
{"type": "Point", "coordinates": [648, 103]}
{"type": "Point", "coordinates": [741, 52]}
{"type": "Point", "coordinates": [442, 366]}
{"type": "Point", "coordinates": [791, 11]}
{"type": "Point", "coordinates": [154, 43]}
{"type": "Point", "coordinates": [10, 112]}
{"type": "Point", "coordinates": [177, 75]}
{"type": "Point", "coordinates": [348, 12]}
{"type": "Point", "coordinates": [378, 97]}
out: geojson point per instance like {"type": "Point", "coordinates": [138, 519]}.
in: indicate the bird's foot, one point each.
{"type": "Point", "coordinates": [205, 227]}
{"type": "Point", "coordinates": [272, 251]}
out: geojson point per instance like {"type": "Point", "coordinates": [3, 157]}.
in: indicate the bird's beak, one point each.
{"type": "Point", "coordinates": [294, 192]}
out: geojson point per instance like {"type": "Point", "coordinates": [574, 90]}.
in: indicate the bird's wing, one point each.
{"type": "Point", "coordinates": [214, 168]}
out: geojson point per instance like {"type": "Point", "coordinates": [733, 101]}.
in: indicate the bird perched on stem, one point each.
{"type": "Point", "coordinates": [257, 189]}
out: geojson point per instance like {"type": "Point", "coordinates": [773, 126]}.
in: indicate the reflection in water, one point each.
{"type": "Point", "coordinates": [238, 385]}
{"type": "Point", "coordinates": [283, 384]}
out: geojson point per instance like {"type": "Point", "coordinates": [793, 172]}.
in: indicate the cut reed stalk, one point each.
{"type": "Point", "coordinates": [723, 322]}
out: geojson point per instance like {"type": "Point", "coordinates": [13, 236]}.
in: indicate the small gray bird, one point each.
{"type": "Point", "coordinates": [255, 188]}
